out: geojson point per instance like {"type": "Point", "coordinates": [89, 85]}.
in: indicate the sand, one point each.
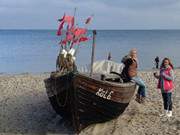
{"type": "Point", "coordinates": [25, 109]}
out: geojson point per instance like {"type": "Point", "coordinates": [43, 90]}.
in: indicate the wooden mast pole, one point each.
{"type": "Point", "coordinates": [93, 49]}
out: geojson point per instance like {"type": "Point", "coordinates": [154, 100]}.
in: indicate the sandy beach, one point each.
{"type": "Point", "coordinates": [25, 109]}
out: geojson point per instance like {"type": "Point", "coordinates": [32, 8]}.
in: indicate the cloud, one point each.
{"type": "Point", "coordinates": [141, 4]}
{"type": "Point", "coordinates": [119, 14]}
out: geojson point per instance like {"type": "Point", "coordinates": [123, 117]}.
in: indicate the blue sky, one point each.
{"type": "Point", "coordinates": [108, 14]}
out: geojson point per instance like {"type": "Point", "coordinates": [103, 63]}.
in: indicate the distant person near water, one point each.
{"type": "Point", "coordinates": [156, 62]}
{"type": "Point", "coordinates": [130, 73]}
{"type": "Point", "coordinates": [165, 83]}
{"type": "Point", "coordinates": [109, 56]}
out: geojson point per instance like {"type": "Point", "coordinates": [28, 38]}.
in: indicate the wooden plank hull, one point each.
{"type": "Point", "coordinates": [58, 91]}
{"type": "Point", "coordinates": [85, 100]}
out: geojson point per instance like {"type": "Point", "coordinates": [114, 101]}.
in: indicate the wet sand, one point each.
{"type": "Point", "coordinates": [25, 109]}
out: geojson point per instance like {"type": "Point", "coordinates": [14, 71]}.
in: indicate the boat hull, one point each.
{"type": "Point", "coordinates": [85, 100]}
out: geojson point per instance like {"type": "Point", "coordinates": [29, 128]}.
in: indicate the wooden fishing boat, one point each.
{"type": "Point", "coordinates": [85, 100]}
{"type": "Point", "coordinates": [81, 98]}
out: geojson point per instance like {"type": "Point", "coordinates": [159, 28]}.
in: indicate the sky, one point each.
{"type": "Point", "coordinates": [108, 14]}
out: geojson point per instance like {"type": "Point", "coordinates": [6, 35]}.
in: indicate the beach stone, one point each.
{"type": "Point", "coordinates": [25, 110]}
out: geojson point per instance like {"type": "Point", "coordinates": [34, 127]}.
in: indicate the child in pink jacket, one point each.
{"type": "Point", "coordinates": [165, 83]}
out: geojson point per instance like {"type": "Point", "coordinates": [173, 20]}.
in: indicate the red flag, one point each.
{"type": "Point", "coordinates": [62, 18]}
{"type": "Point", "coordinates": [66, 19]}
{"type": "Point", "coordinates": [75, 41]}
{"type": "Point", "coordinates": [63, 42]}
{"type": "Point", "coordinates": [88, 20]}
{"type": "Point", "coordinates": [83, 39]}
{"type": "Point", "coordinates": [69, 36]}
{"type": "Point", "coordinates": [69, 20]}
{"type": "Point", "coordinates": [72, 30]}
{"type": "Point", "coordinates": [79, 31]}
{"type": "Point", "coordinates": [59, 32]}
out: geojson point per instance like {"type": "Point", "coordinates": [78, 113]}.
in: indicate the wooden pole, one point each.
{"type": "Point", "coordinates": [93, 49]}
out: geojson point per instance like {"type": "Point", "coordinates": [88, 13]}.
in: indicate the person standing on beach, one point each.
{"type": "Point", "coordinates": [130, 73]}
{"type": "Point", "coordinates": [109, 56]}
{"type": "Point", "coordinates": [165, 83]}
{"type": "Point", "coordinates": [156, 62]}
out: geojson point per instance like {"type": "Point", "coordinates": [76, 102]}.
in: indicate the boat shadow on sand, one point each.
{"type": "Point", "coordinates": [31, 114]}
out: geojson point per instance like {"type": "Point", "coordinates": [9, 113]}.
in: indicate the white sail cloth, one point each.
{"type": "Point", "coordinates": [106, 66]}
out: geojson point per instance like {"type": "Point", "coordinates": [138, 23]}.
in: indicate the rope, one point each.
{"type": "Point", "coordinates": [66, 96]}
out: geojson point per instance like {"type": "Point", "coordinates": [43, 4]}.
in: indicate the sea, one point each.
{"type": "Point", "coordinates": [35, 51]}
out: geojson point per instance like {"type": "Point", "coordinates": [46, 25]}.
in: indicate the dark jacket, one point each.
{"type": "Point", "coordinates": [129, 70]}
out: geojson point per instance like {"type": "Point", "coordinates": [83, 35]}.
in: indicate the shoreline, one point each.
{"type": "Point", "coordinates": [46, 72]}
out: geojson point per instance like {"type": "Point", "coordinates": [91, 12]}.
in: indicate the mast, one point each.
{"type": "Point", "coordinates": [93, 49]}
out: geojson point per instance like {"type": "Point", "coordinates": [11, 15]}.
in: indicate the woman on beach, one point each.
{"type": "Point", "coordinates": [165, 83]}
{"type": "Point", "coordinates": [130, 73]}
